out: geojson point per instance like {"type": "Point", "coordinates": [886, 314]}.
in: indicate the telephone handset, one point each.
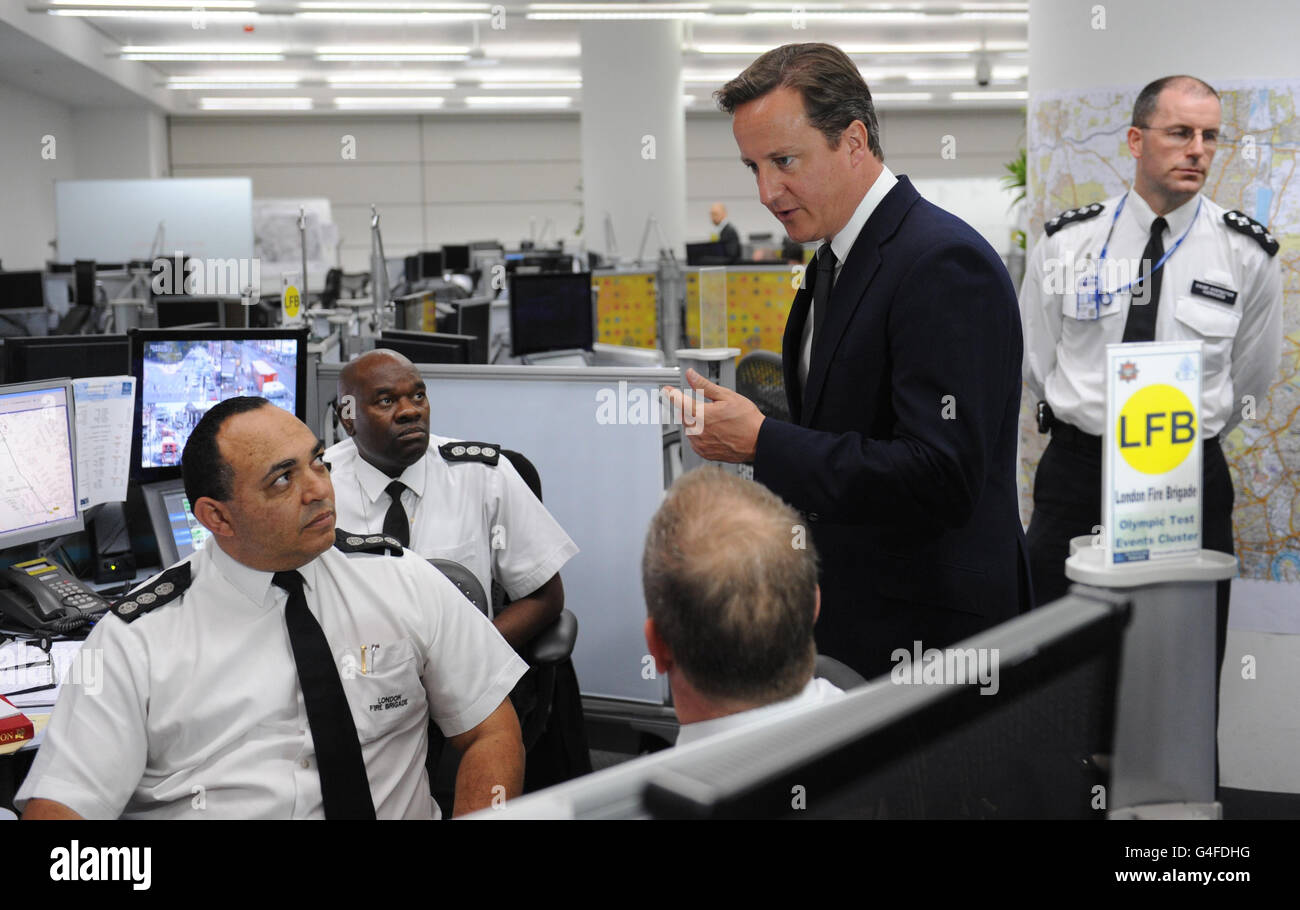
{"type": "Point", "coordinates": [41, 595]}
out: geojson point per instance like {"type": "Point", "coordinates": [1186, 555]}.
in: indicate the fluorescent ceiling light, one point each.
{"type": "Point", "coordinates": [188, 14]}
{"type": "Point", "coordinates": [573, 84]}
{"type": "Point", "coordinates": [541, 50]}
{"type": "Point", "coordinates": [202, 52]}
{"type": "Point", "coordinates": [399, 103]}
{"type": "Point", "coordinates": [395, 16]}
{"type": "Point", "coordinates": [255, 104]}
{"type": "Point", "coordinates": [189, 5]}
{"type": "Point", "coordinates": [380, 53]}
{"type": "Point", "coordinates": [517, 100]}
{"type": "Point", "coordinates": [419, 7]}
{"type": "Point", "coordinates": [219, 84]}
{"type": "Point", "coordinates": [391, 58]}
{"type": "Point", "coordinates": [391, 80]}
{"type": "Point", "coordinates": [570, 11]}
{"type": "Point", "coordinates": [930, 47]}
{"type": "Point", "coordinates": [990, 96]}
{"type": "Point", "coordinates": [902, 96]}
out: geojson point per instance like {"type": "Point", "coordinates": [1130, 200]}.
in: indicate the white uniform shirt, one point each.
{"type": "Point", "coordinates": [818, 691]}
{"type": "Point", "coordinates": [1065, 349]}
{"type": "Point", "coordinates": [841, 245]}
{"type": "Point", "coordinates": [201, 714]}
{"type": "Point", "coordinates": [483, 517]}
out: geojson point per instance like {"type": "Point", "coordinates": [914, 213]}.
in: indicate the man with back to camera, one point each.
{"type": "Point", "coordinates": [454, 500]}
{"type": "Point", "coordinates": [1204, 274]}
{"type": "Point", "coordinates": [731, 602]}
{"type": "Point", "coordinates": [728, 236]}
{"type": "Point", "coordinates": [283, 670]}
{"type": "Point", "coordinates": [902, 371]}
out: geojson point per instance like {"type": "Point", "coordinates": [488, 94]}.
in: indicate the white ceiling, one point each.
{"type": "Point", "coordinates": [914, 55]}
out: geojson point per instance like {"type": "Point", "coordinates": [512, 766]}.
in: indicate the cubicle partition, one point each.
{"type": "Point", "coordinates": [601, 460]}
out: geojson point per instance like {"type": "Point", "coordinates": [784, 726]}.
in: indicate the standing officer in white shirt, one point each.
{"type": "Point", "coordinates": [272, 674]}
{"type": "Point", "coordinates": [1159, 263]}
{"type": "Point", "coordinates": [444, 499]}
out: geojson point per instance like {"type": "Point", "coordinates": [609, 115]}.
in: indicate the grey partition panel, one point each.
{"type": "Point", "coordinates": [602, 482]}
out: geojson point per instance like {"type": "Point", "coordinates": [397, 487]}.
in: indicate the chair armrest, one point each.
{"type": "Point", "coordinates": [554, 643]}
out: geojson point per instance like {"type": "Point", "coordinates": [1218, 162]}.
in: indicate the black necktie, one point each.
{"type": "Point", "coordinates": [1141, 324]}
{"type": "Point", "coordinates": [344, 787]}
{"type": "Point", "coordinates": [396, 524]}
{"type": "Point", "coordinates": [822, 290]}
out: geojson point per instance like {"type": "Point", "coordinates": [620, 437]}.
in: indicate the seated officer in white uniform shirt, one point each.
{"type": "Point", "coordinates": [732, 599]}
{"type": "Point", "coordinates": [280, 671]}
{"type": "Point", "coordinates": [456, 500]}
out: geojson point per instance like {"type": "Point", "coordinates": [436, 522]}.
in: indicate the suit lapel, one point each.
{"type": "Point", "coordinates": [850, 290]}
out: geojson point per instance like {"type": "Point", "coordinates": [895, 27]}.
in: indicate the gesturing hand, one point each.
{"type": "Point", "coordinates": [724, 428]}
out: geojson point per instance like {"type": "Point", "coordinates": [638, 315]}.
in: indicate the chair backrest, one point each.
{"type": "Point", "coordinates": [329, 294]}
{"type": "Point", "coordinates": [465, 581]}
{"type": "Point", "coordinates": [526, 470]}
{"type": "Point", "coordinates": [760, 378]}
{"type": "Point", "coordinates": [837, 674]}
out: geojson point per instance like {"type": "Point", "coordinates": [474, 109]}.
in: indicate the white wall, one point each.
{"type": "Point", "coordinates": [27, 178]}
{"type": "Point", "coordinates": [446, 179]}
{"type": "Point", "coordinates": [119, 143]}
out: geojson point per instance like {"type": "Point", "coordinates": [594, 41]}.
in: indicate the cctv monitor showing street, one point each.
{"type": "Point", "coordinates": [182, 379]}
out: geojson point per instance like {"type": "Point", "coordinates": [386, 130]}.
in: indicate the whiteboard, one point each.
{"type": "Point", "coordinates": [116, 220]}
{"type": "Point", "coordinates": [601, 481]}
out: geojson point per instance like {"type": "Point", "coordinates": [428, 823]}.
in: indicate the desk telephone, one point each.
{"type": "Point", "coordinates": [41, 595]}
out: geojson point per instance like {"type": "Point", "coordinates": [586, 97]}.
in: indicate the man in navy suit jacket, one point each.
{"type": "Point", "coordinates": [904, 390]}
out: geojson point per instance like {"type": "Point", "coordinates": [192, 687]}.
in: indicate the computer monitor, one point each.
{"type": "Point", "coordinates": [713, 253]}
{"type": "Point", "coordinates": [32, 357]}
{"type": "Point", "coordinates": [915, 748]}
{"type": "Point", "coordinates": [456, 258]}
{"type": "Point", "coordinates": [215, 311]}
{"type": "Point", "coordinates": [38, 459]}
{"type": "Point", "coordinates": [431, 265]}
{"type": "Point", "coordinates": [181, 373]}
{"type": "Point", "coordinates": [411, 268]}
{"type": "Point", "coordinates": [427, 347]}
{"type": "Point", "coordinates": [174, 526]}
{"type": "Point", "coordinates": [474, 318]}
{"type": "Point", "coordinates": [21, 291]}
{"type": "Point", "coordinates": [551, 312]}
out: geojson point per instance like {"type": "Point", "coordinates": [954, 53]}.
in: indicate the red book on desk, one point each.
{"type": "Point", "coordinates": [15, 727]}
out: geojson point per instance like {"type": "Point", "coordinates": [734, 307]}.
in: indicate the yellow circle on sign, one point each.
{"type": "Point", "coordinates": [292, 300]}
{"type": "Point", "coordinates": [1157, 429]}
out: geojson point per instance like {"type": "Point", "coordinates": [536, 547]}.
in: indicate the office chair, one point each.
{"type": "Point", "coordinates": [760, 378]}
{"type": "Point", "coordinates": [837, 674]}
{"type": "Point", "coordinates": [553, 644]}
{"type": "Point", "coordinates": [329, 294]}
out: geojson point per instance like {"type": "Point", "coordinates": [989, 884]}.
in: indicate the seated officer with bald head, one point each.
{"type": "Point", "coordinates": [731, 596]}
{"type": "Point", "coordinates": [284, 670]}
{"type": "Point", "coordinates": [443, 498]}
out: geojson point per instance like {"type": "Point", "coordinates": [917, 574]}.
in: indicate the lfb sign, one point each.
{"type": "Point", "coordinates": [1151, 484]}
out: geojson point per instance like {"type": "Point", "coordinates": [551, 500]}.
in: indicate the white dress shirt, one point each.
{"type": "Point", "coordinates": [818, 691]}
{"type": "Point", "coordinates": [199, 713]}
{"type": "Point", "coordinates": [483, 517]}
{"type": "Point", "coordinates": [841, 244]}
{"type": "Point", "coordinates": [1065, 347]}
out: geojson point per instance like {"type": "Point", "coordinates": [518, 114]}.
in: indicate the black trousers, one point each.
{"type": "Point", "coordinates": [1067, 504]}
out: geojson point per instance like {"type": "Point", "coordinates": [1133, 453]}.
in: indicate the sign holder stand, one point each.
{"type": "Point", "coordinates": [1165, 718]}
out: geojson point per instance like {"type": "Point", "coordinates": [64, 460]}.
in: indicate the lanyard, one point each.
{"type": "Point", "coordinates": [1100, 298]}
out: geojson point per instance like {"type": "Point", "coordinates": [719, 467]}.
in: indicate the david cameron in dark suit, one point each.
{"type": "Point", "coordinates": [902, 359]}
